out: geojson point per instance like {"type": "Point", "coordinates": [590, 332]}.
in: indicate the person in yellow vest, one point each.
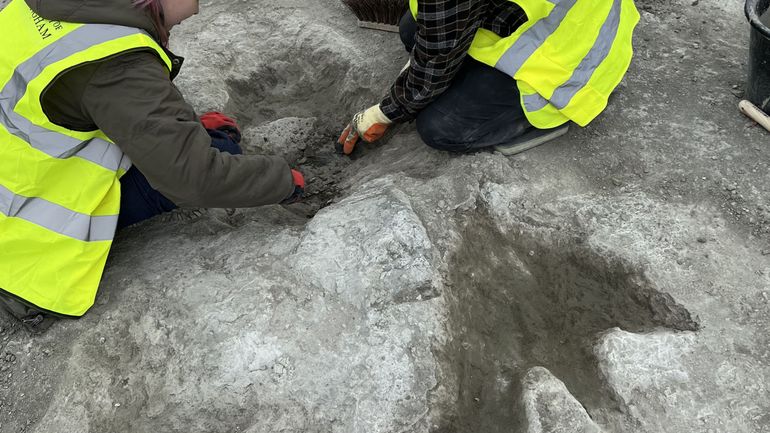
{"type": "Point", "coordinates": [502, 74]}
{"type": "Point", "coordinates": [94, 135]}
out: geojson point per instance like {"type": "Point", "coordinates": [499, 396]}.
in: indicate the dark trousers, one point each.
{"type": "Point", "coordinates": [481, 107]}
{"type": "Point", "coordinates": [140, 201]}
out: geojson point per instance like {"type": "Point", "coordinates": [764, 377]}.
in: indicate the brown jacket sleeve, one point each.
{"type": "Point", "coordinates": [132, 100]}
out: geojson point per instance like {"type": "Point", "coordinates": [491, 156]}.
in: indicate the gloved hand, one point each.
{"type": "Point", "coordinates": [218, 121]}
{"type": "Point", "coordinates": [299, 188]}
{"type": "Point", "coordinates": [369, 124]}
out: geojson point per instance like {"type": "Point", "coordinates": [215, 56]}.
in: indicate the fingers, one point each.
{"type": "Point", "coordinates": [344, 135]}
{"type": "Point", "coordinates": [347, 141]}
{"type": "Point", "coordinates": [350, 143]}
{"type": "Point", "coordinates": [340, 145]}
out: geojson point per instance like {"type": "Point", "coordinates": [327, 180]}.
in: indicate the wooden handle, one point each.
{"type": "Point", "coordinates": [379, 26]}
{"type": "Point", "coordinates": [754, 113]}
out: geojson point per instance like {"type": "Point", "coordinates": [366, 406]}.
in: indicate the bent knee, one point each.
{"type": "Point", "coordinates": [439, 133]}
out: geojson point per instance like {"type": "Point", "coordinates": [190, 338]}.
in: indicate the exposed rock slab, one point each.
{"type": "Point", "coordinates": [550, 408]}
{"type": "Point", "coordinates": [625, 258]}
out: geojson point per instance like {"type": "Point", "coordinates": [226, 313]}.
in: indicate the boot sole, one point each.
{"type": "Point", "coordinates": [532, 139]}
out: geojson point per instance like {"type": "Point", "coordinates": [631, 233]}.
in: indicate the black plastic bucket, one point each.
{"type": "Point", "coordinates": [758, 88]}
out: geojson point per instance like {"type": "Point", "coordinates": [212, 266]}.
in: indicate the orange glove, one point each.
{"type": "Point", "coordinates": [369, 124]}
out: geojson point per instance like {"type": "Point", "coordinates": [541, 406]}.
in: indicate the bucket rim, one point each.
{"type": "Point", "coordinates": [753, 17]}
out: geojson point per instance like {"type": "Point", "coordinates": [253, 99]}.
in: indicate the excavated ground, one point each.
{"type": "Point", "coordinates": [507, 300]}
{"type": "Point", "coordinates": [514, 303]}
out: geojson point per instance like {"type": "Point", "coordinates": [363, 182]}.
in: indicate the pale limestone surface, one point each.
{"type": "Point", "coordinates": [550, 408]}
{"type": "Point", "coordinates": [613, 280]}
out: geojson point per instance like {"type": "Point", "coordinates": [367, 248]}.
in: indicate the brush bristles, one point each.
{"type": "Point", "coordinates": [378, 11]}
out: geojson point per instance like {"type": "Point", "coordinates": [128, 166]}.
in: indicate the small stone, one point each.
{"type": "Point", "coordinates": [532, 254]}
{"type": "Point", "coordinates": [702, 239]}
{"type": "Point", "coordinates": [117, 404]}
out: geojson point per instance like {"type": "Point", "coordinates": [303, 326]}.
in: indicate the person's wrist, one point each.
{"type": "Point", "coordinates": [379, 116]}
{"type": "Point", "coordinates": [393, 112]}
{"type": "Point", "coordinates": [233, 132]}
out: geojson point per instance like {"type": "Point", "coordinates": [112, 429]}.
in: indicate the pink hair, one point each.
{"type": "Point", "coordinates": [155, 10]}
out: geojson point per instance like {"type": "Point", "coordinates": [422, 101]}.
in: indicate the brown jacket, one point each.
{"type": "Point", "coordinates": [130, 97]}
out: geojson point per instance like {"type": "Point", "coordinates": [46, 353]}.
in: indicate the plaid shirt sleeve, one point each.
{"type": "Point", "coordinates": [445, 31]}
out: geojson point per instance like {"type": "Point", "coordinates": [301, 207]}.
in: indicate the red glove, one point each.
{"type": "Point", "coordinates": [216, 120]}
{"type": "Point", "coordinates": [299, 179]}
{"type": "Point", "coordinates": [299, 188]}
{"type": "Point", "coordinates": [219, 122]}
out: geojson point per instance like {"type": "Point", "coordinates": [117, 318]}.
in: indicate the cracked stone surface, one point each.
{"type": "Point", "coordinates": [549, 406]}
{"type": "Point", "coordinates": [614, 280]}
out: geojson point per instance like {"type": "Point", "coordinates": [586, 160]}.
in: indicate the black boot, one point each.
{"type": "Point", "coordinates": [34, 320]}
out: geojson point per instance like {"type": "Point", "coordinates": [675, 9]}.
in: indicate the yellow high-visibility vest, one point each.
{"type": "Point", "coordinates": [567, 58]}
{"type": "Point", "coordinates": [59, 188]}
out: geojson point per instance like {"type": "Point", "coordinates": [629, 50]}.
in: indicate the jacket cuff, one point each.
{"type": "Point", "coordinates": [392, 110]}
{"type": "Point", "coordinates": [288, 185]}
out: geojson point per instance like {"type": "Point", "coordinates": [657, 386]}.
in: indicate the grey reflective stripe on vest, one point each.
{"type": "Point", "coordinates": [533, 38]}
{"type": "Point", "coordinates": [53, 143]}
{"type": "Point", "coordinates": [563, 95]}
{"type": "Point", "coordinates": [56, 218]}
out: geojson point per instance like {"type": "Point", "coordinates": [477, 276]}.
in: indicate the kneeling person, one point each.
{"type": "Point", "coordinates": [508, 74]}
{"type": "Point", "coordinates": [94, 135]}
